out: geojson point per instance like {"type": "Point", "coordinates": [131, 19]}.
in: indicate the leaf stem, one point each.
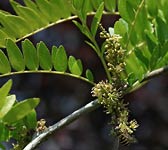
{"type": "Point", "coordinates": [98, 51]}
{"type": "Point", "coordinates": [48, 72]}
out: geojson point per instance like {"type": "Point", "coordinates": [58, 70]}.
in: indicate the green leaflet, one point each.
{"type": "Point", "coordinates": [47, 9]}
{"type": "Point", "coordinates": [28, 14]}
{"type": "Point", "coordinates": [144, 61]}
{"type": "Point", "coordinates": [20, 110]}
{"type": "Point", "coordinates": [77, 4]}
{"type": "Point", "coordinates": [96, 19]}
{"type": "Point", "coordinates": [5, 134]}
{"type": "Point", "coordinates": [151, 41]}
{"type": "Point", "coordinates": [162, 30]}
{"type": "Point", "coordinates": [31, 120]}
{"type": "Point", "coordinates": [121, 27]}
{"type": "Point", "coordinates": [96, 3]}
{"type": "Point", "coordinates": [30, 55]}
{"type": "Point", "coordinates": [33, 6]}
{"type": "Point", "coordinates": [19, 24]}
{"type": "Point", "coordinates": [3, 36]}
{"type": "Point", "coordinates": [89, 75]}
{"type": "Point", "coordinates": [75, 66]}
{"type": "Point", "coordinates": [60, 6]}
{"type": "Point", "coordinates": [15, 56]}
{"type": "Point", "coordinates": [110, 5]}
{"type": "Point", "coordinates": [4, 90]}
{"type": "Point", "coordinates": [125, 10]}
{"type": "Point", "coordinates": [152, 7]}
{"type": "Point", "coordinates": [44, 56]}
{"type": "Point", "coordinates": [9, 30]}
{"type": "Point", "coordinates": [4, 63]}
{"type": "Point", "coordinates": [133, 65]}
{"type": "Point", "coordinates": [59, 58]}
{"type": "Point", "coordinates": [9, 101]}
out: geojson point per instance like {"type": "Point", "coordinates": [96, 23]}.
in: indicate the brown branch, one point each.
{"type": "Point", "coordinates": [64, 122]}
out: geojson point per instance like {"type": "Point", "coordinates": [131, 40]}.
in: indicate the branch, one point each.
{"type": "Point", "coordinates": [155, 73]}
{"type": "Point", "coordinates": [64, 122]}
{"type": "Point", "coordinates": [82, 111]}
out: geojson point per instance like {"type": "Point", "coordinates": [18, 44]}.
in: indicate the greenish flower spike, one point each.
{"type": "Point", "coordinates": [110, 95]}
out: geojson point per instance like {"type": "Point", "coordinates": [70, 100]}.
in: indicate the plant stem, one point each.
{"type": "Point", "coordinates": [64, 122]}
{"type": "Point", "coordinates": [48, 72]}
{"type": "Point", "coordinates": [99, 53]}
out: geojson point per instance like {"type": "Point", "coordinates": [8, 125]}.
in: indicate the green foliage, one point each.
{"type": "Point", "coordinates": [42, 14]}
{"type": "Point", "coordinates": [59, 58]}
{"type": "Point", "coordinates": [16, 118]}
{"type": "Point", "coordinates": [39, 59]}
{"type": "Point", "coordinates": [136, 46]}
{"type": "Point", "coordinates": [144, 35]}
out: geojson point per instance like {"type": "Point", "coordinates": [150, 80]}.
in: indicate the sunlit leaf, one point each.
{"type": "Point", "coordinates": [30, 55]}
{"type": "Point", "coordinates": [4, 90]}
{"type": "Point", "coordinates": [9, 101]}
{"type": "Point", "coordinates": [20, 110]}
{"type": "Point", "coordinates": [15, 56]}
{"type": "Point", "coordinates": [59, 58]}
{"type": "Point", "coordinates": [44, 56]}
{"type": "Point", "coordinates": [89, 75]}
{"type": "Point", "coordinates": [75, 66]}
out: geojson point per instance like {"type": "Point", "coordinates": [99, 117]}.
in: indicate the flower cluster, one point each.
{"type": "Point", "coordinates": [110, 94]}
{"type": "Point", "coordinates": [114, 53]}
{"type": "Point", "coordinates": [107, 95]}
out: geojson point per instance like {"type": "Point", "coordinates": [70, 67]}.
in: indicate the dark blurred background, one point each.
{"type": "Point", "coordinates": [62, 95]}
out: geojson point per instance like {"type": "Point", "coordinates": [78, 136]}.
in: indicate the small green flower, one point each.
{"type": "Point", "coordinates": [110, 94]}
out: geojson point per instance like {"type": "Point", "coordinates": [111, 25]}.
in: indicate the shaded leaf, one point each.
{"type": "Point", "coordinates": [31, 120]}
{"type": "Point", "coordinates": [162, 30]}
{"type": "Point", "coordinates": [152, 7]}
{"type": "Point", "coordinates": [96, 19]}
{"type": "Point", "coordinates": [15, 56]}
{"type": "Point", "coordinates": [4, 90]}
{"type": "Point", "coordinates": [125, 10]}
{"type": "Point", "coordinates": [4, 63]}
{"type": "Point", "coordinates": [5, 134]}
{"type": "Point", "coordinates": [110, 5]}
{"type": "Point", "coordinates": [59, 58]}
{"type": "Point", "coordinates": [20, 110]}
{"type": "Point", "coordinates": [44, 56]}
{"type": "Point", "coordinates": [89, 75]}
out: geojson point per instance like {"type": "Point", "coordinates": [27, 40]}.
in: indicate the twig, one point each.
{"type": "Point", "coordinates": [155, 73]}
{"type": "Point", "coordinates": [82, 111]}
{"type": "Point", "coordinates": [64, 122]}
